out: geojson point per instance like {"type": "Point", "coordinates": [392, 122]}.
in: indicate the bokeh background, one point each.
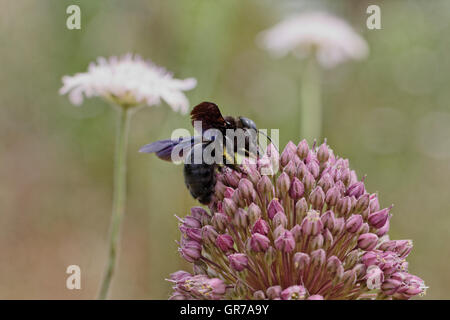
{"type": "Point", "coordinates": [389, 114]}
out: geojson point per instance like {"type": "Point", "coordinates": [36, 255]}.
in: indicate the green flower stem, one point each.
{"type": "Point", "coordinates": [311, 106]}
{"type": "Point", "coordinates": [119, 197]}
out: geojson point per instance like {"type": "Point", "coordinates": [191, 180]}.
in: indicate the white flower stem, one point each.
{"type": "Point", "coordinates": [119, 197]}
{"type": "Point", "coordinates": [311, 106]}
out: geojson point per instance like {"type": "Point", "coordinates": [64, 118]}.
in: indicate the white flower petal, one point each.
{"type": "Point", "coordinates": [333, 38]}
{"type": "Point", "coordinates": [128, 79]}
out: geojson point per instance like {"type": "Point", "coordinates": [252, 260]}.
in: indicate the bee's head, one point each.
{"type": "Point", "coordinates": [248, 123]}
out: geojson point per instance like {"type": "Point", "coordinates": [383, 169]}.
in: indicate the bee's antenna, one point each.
{"type": "Point", "coordinates": [269, 139]}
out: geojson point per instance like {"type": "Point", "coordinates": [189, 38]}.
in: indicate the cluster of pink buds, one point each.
{"type": "Point", "coordinates": [299, 225]}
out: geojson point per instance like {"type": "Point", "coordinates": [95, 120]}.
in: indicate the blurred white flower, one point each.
{"type": "Point", "coordinates": [333, 40]}
{"type": "Point", "coordinates": [128, 80]}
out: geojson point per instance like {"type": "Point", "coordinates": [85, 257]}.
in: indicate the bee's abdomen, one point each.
{"type": "Point", "coordinates": [200, 180]}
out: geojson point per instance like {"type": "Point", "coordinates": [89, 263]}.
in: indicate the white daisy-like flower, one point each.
{"type": "Point", "coordinates": [332, 39]}
{"type": "Point", "coordinates": [128, 80]}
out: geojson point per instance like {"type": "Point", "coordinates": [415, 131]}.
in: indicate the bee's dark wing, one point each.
{"type": "Point", "coordinates": [209, 114]}
{"type": "Point", "coordinates": [163, 148]}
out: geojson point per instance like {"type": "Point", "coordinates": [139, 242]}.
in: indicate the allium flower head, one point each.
{"type": "Point", "coordinates": [128, 81]}
{"type": "Point", "coordinates": [331, 38]}
{"type": "Point", "coordinates": [309, 231]}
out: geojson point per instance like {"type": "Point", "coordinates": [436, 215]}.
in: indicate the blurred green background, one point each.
{"type": "Point", "coordinates": [389, 114]}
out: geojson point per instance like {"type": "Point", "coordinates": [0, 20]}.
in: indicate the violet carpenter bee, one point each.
{"type": "Point", "coordinates": [199, 176]}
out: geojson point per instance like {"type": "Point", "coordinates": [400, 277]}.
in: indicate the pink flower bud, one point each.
{"type": "Point", "coordinates": [229, 206]}
{"type": "Point", "coordinates": [294, 293]}
{"type": "Point", "coordinates": [389, 245]}
{"type": "Point", "coordinates": [290, 169]}
{"type": "Point", "coordinates": [317, 198]}
{"type": "Point", "coordinates": [301, 260]}
{"type": "Point", "coordinates": [375, 277]}
{"type": "Point", "coordinates": [261, 226]}
{"type": "Point", "coordinates": [353, 177]}
{"type": "Point", "coordinates": [315, 297]}
{"type": "Point", "coordinates": [400, 276]}
{"type": "Point", "coordinates": [297, 232]}
{"type": "Point", "coordinates": [390, 286]}
{"type": "Point", "coordinates": [238, 261]}
{"type": "Point", "coordinates": [354, 223]}
{"type": "Point", "coordinates": [348, 278]}
{"type": "Point", "coordinates": [241, 218]}
{"type": "Point", "coordinates": [228, 193]}
{"type": "Point", "coordinates": [238, 199]}
{"type": "Point", "coordinates": [252, 173]}
{"type": "Point", "coordinates": [313, 167]}
{"type": "Point", "coordinates": [274, 207]}
{"type": "Point", "coordinates": [265, 186]}
{"type": "Point", "coordinates": [312, 224]}
{"type": "Point", "coordinates": [339, 224]}
{"type": "Point", "coordinates": [220, 189]}
{"type": "Point", "coordinates": [191, 250]}
{"type": "Point", "coordinates": [326, 182]}
{"type": "Point", "coordinates": [345, 176]}
{"type": "Point", "coordinates": [285, 242]}
{"type": "Point", "coordinates": [378, 219]}
{"type": "Point", "coordinates": [344, 206]}
{"type": "Point", "coordinates": [216, 287]}
{"type": "Point", "coordinates": [194, 234]}
{"type": "Point", "coordinates": [200, 214]}
{"type": "Point", "coordinates": [288, 153]}
{"type": "Point", "coordinates": [273, 292]}
{"type": "Point", "coordinates": [328, 220]}
{"type": "Point", "coordinates": [374, 205]}
{"type": "Point", "coordinates": [403, 248]}
{"type": "Point", "coordinates": [367, 241]}
{"type": "Point", "coordinates": [318, 258]}
{"type": "Point", "coordinates": [296, 190]}
{"type": "Point", "coordinates": [360, 271]}
{"type": "Point", "coordinates": [209, 234]}
{"type": "Point", "coordinates": [280, 219]}
{"type": "Point", "coordinates": [340, 187]}
{"type": "Point", "coordinates": [323, 153]}
{"type": "Point", "coordinates": [283, 184]}
{"type": "Point", "coordinates": [246, 189]}
{"type": "Point", "coordinates": [273, 154]}
{"type": "Point", "coordinates": [254, 212]}
{"type": "Point", "coordinates": [364, 228]}
{"type": "Point", "coordinates": [327, 239]}
{"type": "Point", "coordinates": [190, 222]}
{"type": "Point", "coordinates": [220, 221]}
{"type": "Point", "coordinates": [259, 295]}
{"type": "Point", "coordinates": [362, 203]}
{"type": "Point", "coordinates": [334, 267]}
{"type": "Point", "coordinates": [370, 257]}
{"type": "Point", "coordinates": [384, 229]}
{"type": "Point", "coordinates": [301, 207]}
{"type": "Point", "coordinates": [303, 149]}
{"type": "Point", "coordinates": [232, 178]}
{"type": "Point", "coordinates": [308, 181]}
{"type": "Point", "coordinates": [412, 286]}
{"type": "Point", "coordinates": [356, 190]}
{"type": "Point", "coordinates": [317, 242]}
{"type": "Point", "coordinates": [278, 231]}
{"type": "Point", "coordinates": [225, 242]}
{"type": "Point", "coordinates": [352, 258]}
{"type": "Point", "coordinates": [179, 275]}
{"type": "Point", "coordinates": [259, 242]}
{"type": "Point", "coordinates": [302, 171]}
